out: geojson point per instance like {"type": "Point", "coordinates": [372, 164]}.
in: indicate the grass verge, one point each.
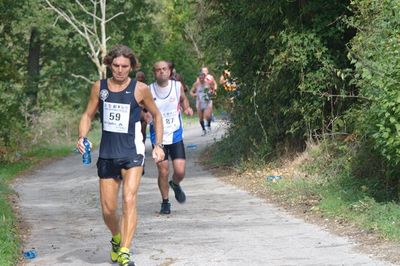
{"type": "Point", "coordinates": [326, 181]}
{"type": "Point", "coordinates": [10, 241]}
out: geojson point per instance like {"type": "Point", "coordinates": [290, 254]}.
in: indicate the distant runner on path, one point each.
{"type": "Point", "coordinates": [170, 99]}
{"type": "Point", "coordinates": [121, 155]}
{"type": "Point", "coordinates": [202, 90]}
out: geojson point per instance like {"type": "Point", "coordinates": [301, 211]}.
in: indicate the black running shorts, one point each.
{"type": "Point", "coordinates": [175, 151]}
{"type": "Point", "coordinates": [111, 168]}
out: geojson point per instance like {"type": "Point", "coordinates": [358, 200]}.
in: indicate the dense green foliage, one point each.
{"type": "Point", "coordinates": [287, 56]}
{"type": "Point", "coordinates": [307, 70]}
{"type": "Point", "coordinates": [311, 70]}
{"type": "Point", "coordinates": [41, 97]}
{"type": "Point", "coordinates": [11, 75]}
{"type": "Point", "coordinates": [43, 55]}
{"type": "Point", "coordinates": [375, 52]}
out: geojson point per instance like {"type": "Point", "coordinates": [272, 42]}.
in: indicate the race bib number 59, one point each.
{"type": "Point", "coordinates": [116, 117]}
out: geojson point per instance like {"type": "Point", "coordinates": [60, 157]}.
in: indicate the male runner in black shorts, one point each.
{"type": "Point", "coordinates": [171, 101]}
{"type": "Point", "coordinates": [121, 155]}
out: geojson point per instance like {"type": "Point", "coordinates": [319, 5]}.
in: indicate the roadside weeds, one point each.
{"type": "Point", "coordinates": [305, 204]}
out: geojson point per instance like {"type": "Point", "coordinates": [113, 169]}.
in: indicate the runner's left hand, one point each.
{"type": "Point", "coordinates": [158, 154]}
{"type": "Point", "coordinates": [188, 111]}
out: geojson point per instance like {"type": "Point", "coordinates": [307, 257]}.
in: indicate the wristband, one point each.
{"type": "Point", "coordinates": [160, 145]}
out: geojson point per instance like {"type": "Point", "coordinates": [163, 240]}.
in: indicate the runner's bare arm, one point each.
{"type": "Point", "coordinates": [87, 116]}
{"type": "Point", "coordinates": [141, 103]}
{"type": "Point", "coordinates": [144, 97]}
{"type": "Point", "coordinates": [184, 102]}
{"type": "Point", "coordinates": [222, 79]}
{"type": "Point", "coordinates": [214, 84]}
{"type": "Point", "coordinates": [193, 90]}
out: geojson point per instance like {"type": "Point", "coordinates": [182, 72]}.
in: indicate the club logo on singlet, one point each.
{"type": "Point", "coordinates": [104, 94]}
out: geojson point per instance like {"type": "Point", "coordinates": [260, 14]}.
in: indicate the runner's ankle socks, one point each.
{"type": "Point", "coordinates": [124, 250]}
{"type": "Point", "coordinates": [202, 124]}
{"type": "Point", "coordinates": [117, 238]}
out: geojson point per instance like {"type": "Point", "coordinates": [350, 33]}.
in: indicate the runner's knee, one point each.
{"type": "Point", "coordinates": [108, 209]}
{"type": "Point", "coordinates": [129, 200]}
{"type": "Point", "coordinates": [179, 174]}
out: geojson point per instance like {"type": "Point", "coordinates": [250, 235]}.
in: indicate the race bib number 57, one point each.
{"type": "Point", "coordinates": [116, 117]}
{"type": "Point", "coordinates": [171, 121]}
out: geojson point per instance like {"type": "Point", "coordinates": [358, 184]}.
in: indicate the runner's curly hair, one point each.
{"type": "Point", "coordinates": [122, 50]}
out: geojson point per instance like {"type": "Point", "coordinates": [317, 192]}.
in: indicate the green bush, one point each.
{"type": "Point", "coordinates": [52, 127]}
{"type": "Point", "coordinates": [375, 53]}
{"type": "Point", "coordinates": [293, 77]}
{"type": "Point", "coordinates": [10, 110]}
{"type": "Point", "coordinates": [61, 125]}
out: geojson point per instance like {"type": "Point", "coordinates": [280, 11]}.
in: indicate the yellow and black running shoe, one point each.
{"type": "Point", "coordinates": [114, 250]}
{"type": "Point", "coordinates": [125, 258]}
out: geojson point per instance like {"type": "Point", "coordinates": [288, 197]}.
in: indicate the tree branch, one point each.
{"type": "Point", "coordinates": [82, 77]}
{"type": "Point", "coordinates": [94, 22]}
{"type": "Point", "coordinates": [324, 94]}
{"type": "Point", "coordinates": [116, 15]}
{"type": "Point", "coordinates": [193, 41]}
{"type": "Point", "coordinates": [65, 16]}
{"type": "Point", "coordinates": [55, 21]}
{"type": "Point", "coordinates": [97, 44]}
{"type": "Point", "coordinates": [93, 15]}
{"type": "Point", "coordinates": [83, 25]}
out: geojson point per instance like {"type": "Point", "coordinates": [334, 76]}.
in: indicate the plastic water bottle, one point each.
{"type": "Point", "coordinates": [30, 254]}
{"type": "Point", "coordinates": [273, 178]}
{"type": "Point", "coordinates": [191, 146]}
{"type": "Point", "coordinates": [86, 157]}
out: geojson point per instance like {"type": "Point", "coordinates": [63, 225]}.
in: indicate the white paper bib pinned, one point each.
{"type": "Point", "coordinates": [171, 121]}
{"type": "Point", "coordinates": [116, 117]}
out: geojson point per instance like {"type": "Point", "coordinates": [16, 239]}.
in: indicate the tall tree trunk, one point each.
{"type": "Point", "coordinates": [33, 66]}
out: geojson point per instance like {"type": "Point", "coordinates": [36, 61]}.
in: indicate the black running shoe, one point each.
{"type": "Point", "coordinates": [179, 194]}
{"type": "Point", "coordinates": [165, 208]}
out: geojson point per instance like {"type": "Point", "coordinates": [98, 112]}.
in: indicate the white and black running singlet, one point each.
{"type": "Point", "coordinates": [169, 106]}
{"type": "Point", "coordinates": [120, 118]}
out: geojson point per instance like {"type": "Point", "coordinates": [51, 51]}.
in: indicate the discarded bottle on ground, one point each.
{"type": "Point", "coordinates": [86, 156]}
{"type": "Point", "coordinates": [273, 178]}
{"type": "Point", "coordinates": [30, 254]}
{"type": "Point", "coordinates": [191, 146]}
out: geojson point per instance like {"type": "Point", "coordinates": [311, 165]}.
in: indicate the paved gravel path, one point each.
{"type": "Point", "coordinates": [218, 225]}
